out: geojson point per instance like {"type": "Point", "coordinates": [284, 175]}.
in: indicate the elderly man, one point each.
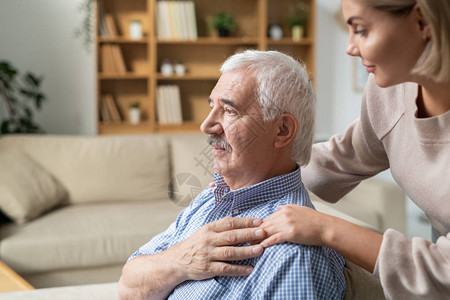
{"type": "Point", "coordinates": [260, 124]}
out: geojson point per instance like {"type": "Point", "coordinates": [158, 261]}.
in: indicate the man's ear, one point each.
{"type": "Point", "coordinates": [287, 127]}
{"type": "Point", "coordinates": [424, 27]}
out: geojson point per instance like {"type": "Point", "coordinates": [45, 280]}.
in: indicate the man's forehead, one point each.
{"type": "Point", "coordinates": [235, 87]}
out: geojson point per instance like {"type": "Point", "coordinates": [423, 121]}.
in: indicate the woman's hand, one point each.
{"type": "Point", "coordinates": [296, 224]}
{"type": "Point", "coordinates": [304, 225]}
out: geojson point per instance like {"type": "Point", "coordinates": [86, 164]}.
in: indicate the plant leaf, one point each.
{"type": "Point", "coordinates": [32, 79]}
{"type": "Point", "coordinates": [28, 112]}
{"type": "Point", "coordinates": [5, 126]}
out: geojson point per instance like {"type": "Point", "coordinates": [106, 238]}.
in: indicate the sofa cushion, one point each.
{"type": "Point", "coordinates": [26, 188]}
{"type": "Point", "coordinates": [106, 291]}
{"type": "Point", "coordinates": [84, 235]}
{"type": "Point", "coordinates": [101, 168]}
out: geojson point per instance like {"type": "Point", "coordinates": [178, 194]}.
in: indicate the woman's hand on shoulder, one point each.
{"type": "Point", "coordinates": [295, 224]}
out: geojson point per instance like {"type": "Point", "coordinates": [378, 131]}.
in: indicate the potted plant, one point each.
{"type": "Point", "coordinates": [135, 112]}
{"type": "Point", "coordinates": [224, 23]}
{"type": "Point", "coordinates": [85, 31]}
{"type": "Point", "coordinates": [180, 69]}
{"type": "Point", "coordinates": [297, 21]}
{"type": "Point", "coordinates": [16, 100]}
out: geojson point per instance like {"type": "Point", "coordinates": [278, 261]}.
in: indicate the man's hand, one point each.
{"type": "Point", "coordinates": [206, 253]}
{"type": "Point", "coordinates": [203, 255]}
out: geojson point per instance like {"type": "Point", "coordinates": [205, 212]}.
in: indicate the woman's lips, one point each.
{"type": "Point", "coordinates": [370, 69]}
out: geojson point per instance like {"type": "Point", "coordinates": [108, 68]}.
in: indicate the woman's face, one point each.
{"type": "Point", "coordinates": [388, 45]}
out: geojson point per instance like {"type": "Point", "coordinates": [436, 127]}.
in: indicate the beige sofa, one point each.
{"type": "Point", "coordinates": [82, 205]}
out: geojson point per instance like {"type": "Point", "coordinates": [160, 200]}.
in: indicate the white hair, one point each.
{"type": "Point", "coordinates": [282, 86]}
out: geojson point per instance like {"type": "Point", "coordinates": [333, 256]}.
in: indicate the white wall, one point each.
{"type": "Point", "coordinates": [338, 103]}
{"type": "Point", "coordinates": [37, 36]}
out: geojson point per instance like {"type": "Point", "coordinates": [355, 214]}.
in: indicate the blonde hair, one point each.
{"type": "Point", "coordinates": [434, 62]}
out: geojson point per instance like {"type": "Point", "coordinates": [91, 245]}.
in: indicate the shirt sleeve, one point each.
{"type": "Point", "coordinates": [299, 272]}
{"type": "Point", "coordinates": [414, 270]}
{"type": "Point", "coordinates": [339, 165]}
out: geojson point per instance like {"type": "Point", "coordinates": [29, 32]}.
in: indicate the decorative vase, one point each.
{"type": "Point", "coordinates": [180, 69]}
{"type": "Point", "coordinates": [223, 32]}
{"type": "Point", "coordinates": [297, 32]}
{"type": "Point", "coordinates": [135, 30]}
{"type": "Point", "coordinates": [275, 32]}
{"type": "Point", "coordinates": [166, 68]}
{"type": "Point", "coordinates": [135, 115]}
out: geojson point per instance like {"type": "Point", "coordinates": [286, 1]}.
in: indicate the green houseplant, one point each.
{"type": "Point", "coordinates": [224, 22]}
{"type": "Point", "coordinates": [85, 31]}
{"type": "Point", "coordinates": [135, 112]}
{"type": "Point", "coordinates": [17, 96]}
{"type": "Point", "coordinates": [298, 20]}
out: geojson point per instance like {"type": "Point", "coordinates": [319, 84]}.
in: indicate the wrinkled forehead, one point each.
{"type": "Point", "coordinates": [238, 87]}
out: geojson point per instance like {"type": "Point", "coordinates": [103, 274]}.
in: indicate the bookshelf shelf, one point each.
{"type": "Point", "coordinates": [134, 73]}
{"type": "Point", "coordinates": [103, 76]}
{"type": "Point", "coordinates": [121, 40]}
{"type": "Point", "coordinates": [214, 76]}
{"type": "Point", "coordinates": [184, 127]}
{"type": "Point", "coordinates": [289, 41]}
{"type": "Point", "coordinates": [210, 41]}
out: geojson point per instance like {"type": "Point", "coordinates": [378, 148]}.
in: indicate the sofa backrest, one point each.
{"type": "Point", "coordinates": [101, 168]}
{"type": "Point", "coordinates": [191, 165]}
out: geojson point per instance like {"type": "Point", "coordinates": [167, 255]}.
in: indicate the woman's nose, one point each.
{"type": "Point", "coordinates": [352, 49]}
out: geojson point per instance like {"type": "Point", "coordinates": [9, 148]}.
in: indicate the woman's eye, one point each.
{"type": "Point", "coordinates": [360, 30]}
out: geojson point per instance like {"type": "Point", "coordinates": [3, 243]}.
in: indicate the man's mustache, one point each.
{"type": "Point", "coordinates": [219, 142]}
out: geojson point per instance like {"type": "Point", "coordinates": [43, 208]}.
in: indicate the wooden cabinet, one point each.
{"type": "Point", "coordinates": [201, 57]}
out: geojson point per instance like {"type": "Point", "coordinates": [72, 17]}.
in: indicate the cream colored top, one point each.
{"type": "Point", "coordinates": [389, 135]}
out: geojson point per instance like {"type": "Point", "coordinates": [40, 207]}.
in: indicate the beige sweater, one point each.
{"type": "Point", "coordinates": [388, 135]}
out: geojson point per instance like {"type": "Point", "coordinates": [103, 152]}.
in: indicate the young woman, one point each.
{"type": "Point", "coordinates": [404, 126]}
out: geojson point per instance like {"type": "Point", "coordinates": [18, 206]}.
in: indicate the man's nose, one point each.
{"type": "Point", "coordinates": [212, 125]}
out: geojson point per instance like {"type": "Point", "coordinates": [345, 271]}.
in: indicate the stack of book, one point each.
{"type": "Point", "coordinates": [112, 59]}
{"type": "Point", "coordinates": [176, 20]}
{"type": "Point", "coordinates": [109, 110]}
{"type": "Point", "coordinates": [168, 104]}
{"type": "Point", "coordinates": [106, 25]}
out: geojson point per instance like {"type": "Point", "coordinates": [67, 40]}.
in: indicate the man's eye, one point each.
{"type": "Point", "coordinates": [230, 111]}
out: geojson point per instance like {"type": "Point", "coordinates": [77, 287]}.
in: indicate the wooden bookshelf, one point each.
{"type": "Point", "coordinates": [201, 56]}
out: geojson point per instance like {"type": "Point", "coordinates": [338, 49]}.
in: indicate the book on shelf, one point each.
{"type": "Point", "coordinates": [110, 25]}
{"type": "Point", "coordinates": [168, 104]}
{"type": "Point", "coordinates": [107, 59]}
{"type": "Point", "coordinates": [104, 113]}
{"type": "Point", "coordinates": [102, 28]}
{"type": "Point", "coordinates": [176, 20]}
{"type": "Point", "coordinates": [112, 59]}
{"type": "Point", "coordinates": [119, 62]}
{"type": "Point", "coordinates": [112, 108]}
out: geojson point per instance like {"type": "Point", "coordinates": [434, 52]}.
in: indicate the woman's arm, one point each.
{"type": "Point", "coordinates": [303, 225]}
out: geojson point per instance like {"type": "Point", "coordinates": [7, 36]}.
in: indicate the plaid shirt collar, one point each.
{"type": "Point", "coordinates": [250, 196]}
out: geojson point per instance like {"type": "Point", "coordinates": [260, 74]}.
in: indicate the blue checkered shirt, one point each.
{"type": "Point", "coordinates": [284, 271]}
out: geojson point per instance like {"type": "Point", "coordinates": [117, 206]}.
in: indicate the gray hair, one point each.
{"type": "Point", "coordinates": [282, 86]}
{"type": "Point", "coordinates": [434, 62]}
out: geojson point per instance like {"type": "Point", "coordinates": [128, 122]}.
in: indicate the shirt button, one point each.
{"type": "Point", "coordinates": [235, 211]}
